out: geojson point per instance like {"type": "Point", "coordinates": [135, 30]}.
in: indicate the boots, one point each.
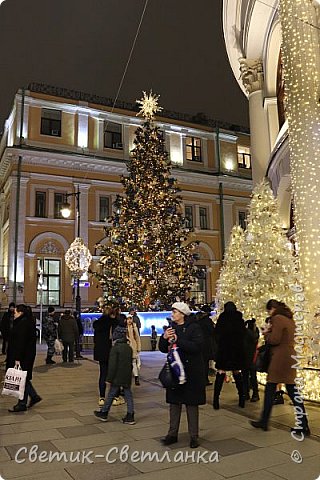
{"type": "Point", "coordinates": [217, 389]}
{"type": "Point", "coordinates": [136, 381]}
{"type": "Point", "coordinates": [49, 360]}
{"type": "Point", "coordinates": [239, 384]}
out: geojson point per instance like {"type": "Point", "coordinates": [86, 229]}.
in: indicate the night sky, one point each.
{"type": "Point", "coordinates": [84, 45]}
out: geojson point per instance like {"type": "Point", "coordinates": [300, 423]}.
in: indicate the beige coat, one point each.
{"type": "Point", "coordinates": [134, 339]}
{"type": "Point", "coordinates": [281, 338]}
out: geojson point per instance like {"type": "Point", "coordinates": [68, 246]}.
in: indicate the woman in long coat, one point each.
{"type": "Point", "coordinates": [280, 336]}
{"type": "Point", "coordinates": [22, 352]}
{"type": "Point", "coordinates": [230, 334]}
{"type": "Point", "coordinates": [103, 328]}
{"type": "Point", "coordinates": [186, 334]}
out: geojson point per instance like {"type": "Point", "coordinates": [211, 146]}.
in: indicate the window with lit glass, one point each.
{"type": "Point", "coordinates": [203, 214]}
{"type": "Point", "coordinates": [49, 281]}
{"type": "Point", "coordinates": [188, 213]}
{"type": "Point", "coordinates": [242, 219]}
{"type": "Point", "coordinates": [104, 208]}
{"type": "Point", "coordinates": [113, 135]}
{"type": "Point", "coordinates": [244, 157]}
{"type": "Point", "coordinates": [59, 201]}
{"type": "Point", "coordinates": [198, 291]}
{"type": "Point", "coordinates": [50, 122]}
{"type": "Point", "coordinates": [41, 200]}
{"type": "Point", "coordinates": [193, 149]}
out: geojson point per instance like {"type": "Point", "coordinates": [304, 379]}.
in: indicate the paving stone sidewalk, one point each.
{"type": "Point", "coordinates": [63, 423]}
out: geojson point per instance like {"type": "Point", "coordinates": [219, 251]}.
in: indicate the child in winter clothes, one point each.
{"type": "Point", "coordinates": [119, 375]}
{"type": "Point", "coordinates": [153, 338]}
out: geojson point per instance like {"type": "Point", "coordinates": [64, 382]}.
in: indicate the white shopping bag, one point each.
{"type": "Point", "coordinates": [58, 346]}
{"type": "Point", "coordinates": [15, 382]}
{"type": "Point", "coordinates": [138, 361]}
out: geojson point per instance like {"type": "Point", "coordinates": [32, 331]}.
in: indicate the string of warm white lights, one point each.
{"type": "Point", "coordinates": [301, 68]}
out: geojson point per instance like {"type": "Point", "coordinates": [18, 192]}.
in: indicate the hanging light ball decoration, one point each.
{"type": "Point", "coordinates": [78, 258]}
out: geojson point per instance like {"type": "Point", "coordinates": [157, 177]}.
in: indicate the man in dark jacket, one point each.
{"type": "Point", "coordinates": [135, 317]}
{"type": "Point", "coordinates": [207, 329]}
{"type": "Point", "coordinates": [186, 334]}
{"type": "Point", "coordinates": [6, 325]}
{"type": "Point", "coordinates": [249, 373]}
{"type": "Point", "coordinates": [68, 332]}
{"type": "Point", "coordinates": [119, 375]}
{"type": "Point", "coordinates": [49, 333]}
{"type": "Point", "coordinates": [22, 352]}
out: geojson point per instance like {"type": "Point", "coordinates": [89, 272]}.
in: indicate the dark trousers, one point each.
{"type": "Point", "coordinates": [68, 351]}
{"type": "Point", "coordinates": [29, 391]}
{"type": "Point", "coordinates": [78, 346]}
{"type": "Point", "coordinates": [301, 416]}
{"type": "Point", "coordinates": [4, 344]}
{"type": "Point", "coordinates": [103, 378]}
{"type": "Point", "coordinates": [192, 418]}
{"type": "Point", "coordinates": [113, 392]}
{"type": "Point", "coordinates": [250, 380]}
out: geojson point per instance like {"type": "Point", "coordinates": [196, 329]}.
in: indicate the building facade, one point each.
{"type": "Point", "coordinates": [59, 141]}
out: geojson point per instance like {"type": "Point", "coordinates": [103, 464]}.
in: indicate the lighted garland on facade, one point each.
{"type": "Point", "coordinates": [300, 50]}
{"type": "Point", "coordinates": [78, 258]}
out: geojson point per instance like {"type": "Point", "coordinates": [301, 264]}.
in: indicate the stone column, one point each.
{"type": "Point", "coordinates": [252, 78]}
{"type": "Point", "coordinates": [301, 59]}
{"type": "Point", "coordinates": [21, 236]}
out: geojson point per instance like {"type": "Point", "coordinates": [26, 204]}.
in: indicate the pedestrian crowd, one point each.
{"type": "Point", "coordinates": [231, 343]}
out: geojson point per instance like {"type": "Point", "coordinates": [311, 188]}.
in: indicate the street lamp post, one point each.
{"type": "Point", "coordinates": [78, 257]}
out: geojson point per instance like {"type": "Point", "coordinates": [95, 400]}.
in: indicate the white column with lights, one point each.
{"type": "Point", "coordinates": [302, 79]}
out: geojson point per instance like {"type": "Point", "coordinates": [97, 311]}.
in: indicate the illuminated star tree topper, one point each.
{"type": "Point", "coordinates": [149, 105]}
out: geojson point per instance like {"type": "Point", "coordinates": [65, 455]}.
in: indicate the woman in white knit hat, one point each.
{"type": "Point", "coordinates": [186, 334]}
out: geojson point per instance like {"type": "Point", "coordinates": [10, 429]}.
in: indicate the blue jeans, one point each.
{"type": "Point", "coordinates": [294, 394]}
{"type": "Point", "coordinates": [113, 392]}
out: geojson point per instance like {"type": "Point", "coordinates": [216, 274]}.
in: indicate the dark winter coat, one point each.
{"type": "Point", "coordinates": [250, 342]}
{"type": "Point", "coordinates": [190, 343]}
{"type": "Point", "coordinates": [120, 364]}
{"type": "Point", "coordinates": [230, 335]}
{"type": "Point", "coordinates": [22, 344]}
{"type": "Point", "coordinates": [103, 328]}
{"type": "Point", "coordinates": [6, 323]}
{"type": "Point", "coordinates": [281, 338]}
{"type": "Point", "coordinates": [49, 328]}
{"type": "Point", "coordinates": [68, 328]}
{"type": "Point", "coordinates": [207, 328]}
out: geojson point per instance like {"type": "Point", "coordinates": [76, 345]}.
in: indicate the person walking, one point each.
{"type": "Point", "coordinates": [208, 332]}
{"type": "Point", "coordinates": [279, 335]}
{"type": "Point", "coordinates": [136, 318]}
{"type": "Point", "coordinates": [49, 333]}
{"type": "Point", "coordinates": [153, 338]}
{"type": "Point", "coordinates": [78, 342]}
{"type": "Point", "coordinates": [119, 375]}
{"type": "Point", "coordinates": [230, 335]}
{"type": "Point", "coordinates": [68, 333]}
{"type": "Point", "coordinates": [135, 343]}
{"type": "Point", "coordinates": [6, 325]}
{"type": "Point", "coordinates": [22, 353]}
{"type": "Point", "coordinates": [103, 328]}
{"type": "Point", "coordinates": [186, 334]}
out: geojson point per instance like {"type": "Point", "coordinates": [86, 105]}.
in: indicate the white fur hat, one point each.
{"type": "Point", "coordinates": [182, 307]}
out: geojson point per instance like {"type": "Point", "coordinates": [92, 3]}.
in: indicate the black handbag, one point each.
{"type": "Point", "coordinates": [167, 377]}
{"type": "Point", "coordinates": [263, 358]}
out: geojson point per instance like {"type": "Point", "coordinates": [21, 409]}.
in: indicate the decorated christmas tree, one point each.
{"type": "Point", "coordinates": [269, 267]}
{"type": "Point", "coordinates": [147, 258]}
{"type": "Point", "coordinates": [228, 284]}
